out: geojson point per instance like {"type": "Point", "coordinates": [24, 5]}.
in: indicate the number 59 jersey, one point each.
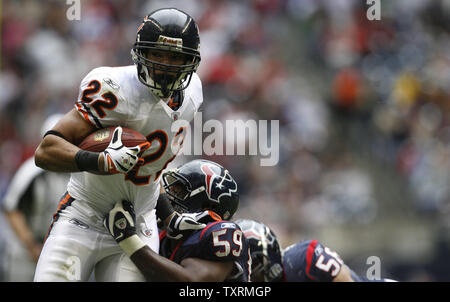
{"type": "Point", "coordinates": [114, 96]}
{"type": "Point", "coordinates": [219, 241]}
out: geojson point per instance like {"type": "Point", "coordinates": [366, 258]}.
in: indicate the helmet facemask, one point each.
{"type": "Point", "coordinates": [178, 190]}
{"type": "Point", "coordinates": [164, 79]}
{"type": "Point", "coordinates": [267, 259]}
{"type": "Point", "coordinates": [260, 263]}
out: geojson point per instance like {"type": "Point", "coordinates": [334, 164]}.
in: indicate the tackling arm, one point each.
{"type": "Point", "coordinates": [157, 268]}
{"type": "Point", "coordinates": [121, 221]}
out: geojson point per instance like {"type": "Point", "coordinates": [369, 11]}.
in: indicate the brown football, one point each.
{"type": "Point", "coordinates": [99, 140]}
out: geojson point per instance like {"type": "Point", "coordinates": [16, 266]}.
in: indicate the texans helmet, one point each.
{"type": "Point", "coordinates": [264, 249]}
{"type": "Point", "coordinates": [202, 185]}
{"type": "Point", "coordinates": [169, 31]}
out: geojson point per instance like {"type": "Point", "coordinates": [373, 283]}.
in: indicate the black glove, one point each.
{"type": "Point", "coordinates": [121, 221]}
{"type": "Point", "coordinates": [121, 224]}
{"type": "Point", "coordinates": [181, 225]}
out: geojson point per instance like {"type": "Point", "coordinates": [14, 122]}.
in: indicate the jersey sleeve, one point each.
{"type": "Point", "coordinates": [99, 100]}
{"type": "Point", "coordinates": [322, 264]}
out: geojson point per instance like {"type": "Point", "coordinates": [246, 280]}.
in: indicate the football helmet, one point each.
{"type": "Point", "coordinates": [202, 185]}
{"type": "Point", "coordinates": [264, 249]}
{"type": "Point", "coordinates": [166, 32]}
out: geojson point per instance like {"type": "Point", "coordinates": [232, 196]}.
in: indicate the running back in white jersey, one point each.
{"type": "Point", "coordinates": [113, 96]}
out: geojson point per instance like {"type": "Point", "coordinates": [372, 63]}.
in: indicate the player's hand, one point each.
{"type": "Point", "coordinates": [121, 224]}
{"type": "Point", "coordinates": [185, 223]}
{"type": "Point", "coordinates": [119, 158]}
{"type": "Point", "coordinates": [121, 221]}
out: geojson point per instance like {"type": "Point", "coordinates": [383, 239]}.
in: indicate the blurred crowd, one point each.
{"type": "Point", "coordinates": [363, 107]}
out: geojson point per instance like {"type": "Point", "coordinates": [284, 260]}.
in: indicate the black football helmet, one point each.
{"type": "Point", "coordinates": [264, 249]}
{"type": "Point", "coordinates": [202, 185]}
{"type": "Point", "coordinates": [170, 31]}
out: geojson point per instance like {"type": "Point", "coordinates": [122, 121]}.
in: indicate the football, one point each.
{"type": "Point", "coordinates": [99, 140]}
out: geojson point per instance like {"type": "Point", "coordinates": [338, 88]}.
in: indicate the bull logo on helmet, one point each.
{"type": "Point", "coordinates": [218, 184]}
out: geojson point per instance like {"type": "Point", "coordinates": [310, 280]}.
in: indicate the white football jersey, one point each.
{"type": "Point", "coordinates": [114, 96]}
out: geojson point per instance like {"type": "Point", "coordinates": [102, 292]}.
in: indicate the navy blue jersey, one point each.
{"type": "Point", "coordinates": [310, 261]}
{"type": "Point", "coordinates": [218, 241]}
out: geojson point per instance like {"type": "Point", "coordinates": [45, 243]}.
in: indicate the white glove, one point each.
{"type": "Point", "coordinates": [119, 158]}
{"type": "Point", "coordinates": [185, 223]}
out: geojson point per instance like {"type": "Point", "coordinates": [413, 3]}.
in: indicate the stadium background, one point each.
{"type": "Point", "coordinates": [363, 110]}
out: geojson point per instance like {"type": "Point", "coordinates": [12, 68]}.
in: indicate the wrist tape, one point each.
{"type": "Point", "coordinates": [87, 160]}
{"type": "Point", "coordinates": [131, 244]}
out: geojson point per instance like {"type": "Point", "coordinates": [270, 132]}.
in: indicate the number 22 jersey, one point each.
{"type": "Point", "coordinates": [114, 96]}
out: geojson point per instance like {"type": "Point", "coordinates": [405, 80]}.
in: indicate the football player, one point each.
{"type": "Point", "coordinates": [305, 261]}
{"type": "Point", "coordinates": [161, 87]}
{"type": "Point", "coordinates": [219, 252]}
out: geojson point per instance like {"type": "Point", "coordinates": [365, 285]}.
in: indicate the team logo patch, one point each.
{"type": "Point", "coordinates": [229, 225]}
{"type": "Point", "coordinates": [121, 223]}
{"type": "Point", "coordinates": [260, 234]}
{"type": "Point", "coordinates": [218, 184]}
{"type": "Point", "coordinates": [146, 232]}
{"type": "Point", "coordinates": [111, 83]}
{"type": "Point", "coordinates": [78, 223]}
{"type": "Point", "coordinates": [175, 116]}
{"type": "Point", "coordinates": [252, 233]}
{"type": "Point", "coordinates": [101, 135]}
